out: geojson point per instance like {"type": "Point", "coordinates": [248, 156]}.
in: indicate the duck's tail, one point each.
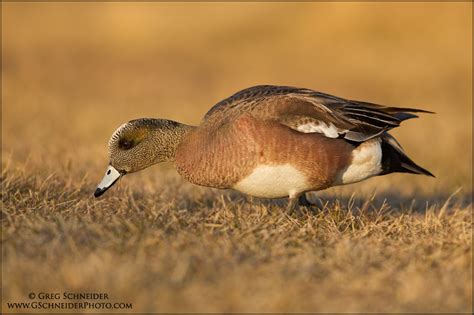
{"type": "Point", "coordinates": [394, 159]}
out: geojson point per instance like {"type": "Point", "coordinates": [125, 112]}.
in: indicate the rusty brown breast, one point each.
{"type": "Point", "coordinates": [221, 157]}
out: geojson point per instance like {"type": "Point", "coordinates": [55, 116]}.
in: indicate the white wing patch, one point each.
{"type": "Point", "coordinates": [366, 162]}
{"type": "Point", "coordinates": [329, 130]}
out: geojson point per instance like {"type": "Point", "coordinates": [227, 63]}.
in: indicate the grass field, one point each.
{"type": "Point", "coordinates": [72, 73]}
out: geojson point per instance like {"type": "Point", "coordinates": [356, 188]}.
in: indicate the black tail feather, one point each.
{"type": "Point", "coordinates": [394, 159]}
{"type": "Point", "coordinates": [406, 113]}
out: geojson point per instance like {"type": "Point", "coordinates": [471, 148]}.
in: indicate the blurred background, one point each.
{"type": "Point", "coordinates": [72, 73]}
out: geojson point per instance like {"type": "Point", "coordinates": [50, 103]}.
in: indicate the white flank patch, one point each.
{"type": "Point", "coordinates": [329, 130]}
{"type": "Point", "coordinates": [366, 162]}
{"type": "Point", "coordinates": [273, 181]}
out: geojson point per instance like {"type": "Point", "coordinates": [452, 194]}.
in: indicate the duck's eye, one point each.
{"type": "Point", "coordinates": [126, 144]}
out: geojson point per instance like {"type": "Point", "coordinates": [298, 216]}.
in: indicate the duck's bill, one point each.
{"type": "Point", "coordinates": [110, 178]}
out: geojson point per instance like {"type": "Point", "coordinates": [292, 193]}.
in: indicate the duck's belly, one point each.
{"type": "Point", "coordinates": [274, 181]}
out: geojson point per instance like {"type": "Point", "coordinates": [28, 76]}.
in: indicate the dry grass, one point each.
{"type": "Point", "coordinates": [395, 243]}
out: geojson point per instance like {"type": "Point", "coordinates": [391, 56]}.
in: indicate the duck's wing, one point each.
{"type": "Point", "coordinates": [308, 111]}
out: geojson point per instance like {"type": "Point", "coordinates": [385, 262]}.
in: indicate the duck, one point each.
{"type": "Point", "coordinates": [269, 141]}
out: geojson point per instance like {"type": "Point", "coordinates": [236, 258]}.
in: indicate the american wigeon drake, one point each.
{"type": "Point", "coordinates": [269, 141]}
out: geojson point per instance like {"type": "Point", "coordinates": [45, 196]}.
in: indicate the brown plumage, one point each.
{"type": "Point", "coordinates": [355, 120]}
{"type": "Point", "coordinates": [270, 141]}
{"type": "Point", "coordinates": [238, 147]}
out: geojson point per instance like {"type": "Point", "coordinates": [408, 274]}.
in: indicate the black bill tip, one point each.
{"type": "Point", "coordinates": [111, 177]}
{"type": "Point", "coordinates": [98, 192]}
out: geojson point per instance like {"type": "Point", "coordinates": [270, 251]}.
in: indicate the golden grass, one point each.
{"type": "Point", "coordinates": [182, 248]}
{"type": "Point", "coordinates": [393, 243]}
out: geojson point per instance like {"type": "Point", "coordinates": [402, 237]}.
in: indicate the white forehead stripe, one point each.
{"type": "Point", "coordinates": [117, 132]}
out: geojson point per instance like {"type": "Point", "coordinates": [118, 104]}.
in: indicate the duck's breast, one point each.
{"type": "Point", "coordinates": [261, 158]}
{"type": "Point", "coordinates": [215, 157]}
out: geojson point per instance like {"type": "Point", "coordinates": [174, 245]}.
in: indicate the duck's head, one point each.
{"type": "Point", "coordinates": [138, 144]}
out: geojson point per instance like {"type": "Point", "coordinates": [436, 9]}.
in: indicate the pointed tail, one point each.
{"type": "Point", "coordinates": [394, 159]}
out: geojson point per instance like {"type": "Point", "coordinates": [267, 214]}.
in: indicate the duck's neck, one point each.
{"type": "Point", "coordinates": [177, 134]}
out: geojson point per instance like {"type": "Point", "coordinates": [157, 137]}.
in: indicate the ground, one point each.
{"type": "Point", "coordinates": [183, 248]}
{"type": "Point", "coordinates": [397, 243]}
